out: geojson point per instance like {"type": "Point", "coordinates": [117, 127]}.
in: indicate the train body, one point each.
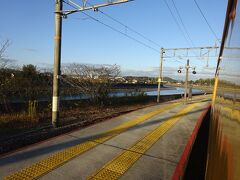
{"type": "Point", "coordinates": [223, 161]}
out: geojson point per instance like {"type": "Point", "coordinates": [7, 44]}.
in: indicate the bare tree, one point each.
{"type": "Point", "coordinates": [5, 75]}
{"type": "Point", "coordinates": [4, 61]}
{"type": "Point", "coordinates": [95, 81]}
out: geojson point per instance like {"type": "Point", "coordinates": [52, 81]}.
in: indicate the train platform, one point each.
{"type": "Point", "coordinates": [144, 144]}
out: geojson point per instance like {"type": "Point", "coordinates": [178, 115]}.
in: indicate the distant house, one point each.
{"type": "Point", "coordinates": [120, 79]}
{"type": "Point", "coordinates": [134, 81]}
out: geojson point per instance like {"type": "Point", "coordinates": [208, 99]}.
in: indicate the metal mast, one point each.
{"type": "Point", "coordinates": [59, 13]}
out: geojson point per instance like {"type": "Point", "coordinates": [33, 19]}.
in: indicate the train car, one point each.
{"type": "Point", "coordinates": [223, 157]}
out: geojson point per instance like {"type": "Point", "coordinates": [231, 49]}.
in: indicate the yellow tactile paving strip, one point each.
{"type": "Point", "coordinates": [53, 161]}
{"type": "Point", "coordinates": [115, 168]}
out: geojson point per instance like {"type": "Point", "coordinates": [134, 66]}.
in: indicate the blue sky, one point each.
{"type": "Point", "coordinates": [29, 24]}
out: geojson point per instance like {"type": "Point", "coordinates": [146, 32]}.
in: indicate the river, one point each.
{"type": "Point", "coordinates": [153, 92]}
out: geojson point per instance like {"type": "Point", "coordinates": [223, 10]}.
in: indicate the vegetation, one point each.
{"type": "Point", "coordinates": [26, 84]}
{"type": "Point", "coordinates": [146, 80]}
{"type": "Point", "coordinates": [22, 89]}
{"type": "Point", "coordinates": [93, 81]}
{"type": "Point", "coordinates": [205, 82]}
{"type": "Point", "coordinates": [209, 82]}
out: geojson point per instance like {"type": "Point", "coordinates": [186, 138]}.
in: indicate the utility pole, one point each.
{"type": "Point", "coordinates": [186, 82]}
{"type": "Point", "coordinates": [160, 78]}
{"type": "Point", "coordinates": [59, 13]}
{"type": "Point", "coordinates": [57, 63]}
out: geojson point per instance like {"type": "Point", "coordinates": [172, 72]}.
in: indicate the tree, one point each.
{"type": "Point", "coordinates": [95, 81]}
{"type": "Point", "coordinates": [28, 82]}
{"type": "Point", "coordinates": [29, 70]}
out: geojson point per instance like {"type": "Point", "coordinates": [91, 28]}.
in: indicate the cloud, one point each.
{"type": "Point", "coordinates": [30, 49]}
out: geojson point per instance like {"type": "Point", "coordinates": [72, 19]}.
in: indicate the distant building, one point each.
{"type": "Point", "coordinates": [134, 81]}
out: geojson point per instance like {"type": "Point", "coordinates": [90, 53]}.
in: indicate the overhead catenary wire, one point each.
{"type": "Point", "coordinates": [183, 25]}
{"type": "Point", "coordinates": [70, 83]}
{"type": "Point", "coordinates": [188, 40]}
{"type": "Point", "coordinates": [185, 29]}
{"type": "Point", "coordinates": [126, 26]}
{"type": "Point", "coordinates": [176, 21]}
{"type": "Point", "coordinates": [76, 6]}
{"type": "Point", "coordinates": [204, 17]}
{"type": "Point", "coordinates": [178, 61]}
{"type": "Point", "coordinates": [178, 25]}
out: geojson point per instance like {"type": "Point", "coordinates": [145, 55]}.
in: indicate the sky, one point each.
{"type": "Point", "coordinates": [29, 24]}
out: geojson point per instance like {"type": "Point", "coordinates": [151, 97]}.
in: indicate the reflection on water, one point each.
{"type": "Point", "coordinates": [164, 92]}
{"type": "Point", "coordinates": [173, 91]}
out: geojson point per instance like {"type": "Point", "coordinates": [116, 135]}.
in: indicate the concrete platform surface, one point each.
{"type": "Point", "coordinates": [144, 144]}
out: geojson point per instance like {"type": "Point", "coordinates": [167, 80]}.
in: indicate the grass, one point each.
{"type": "Point", "coordinates": [14, 122]}
{"type": "Point", "coordinates": [71, 111]}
